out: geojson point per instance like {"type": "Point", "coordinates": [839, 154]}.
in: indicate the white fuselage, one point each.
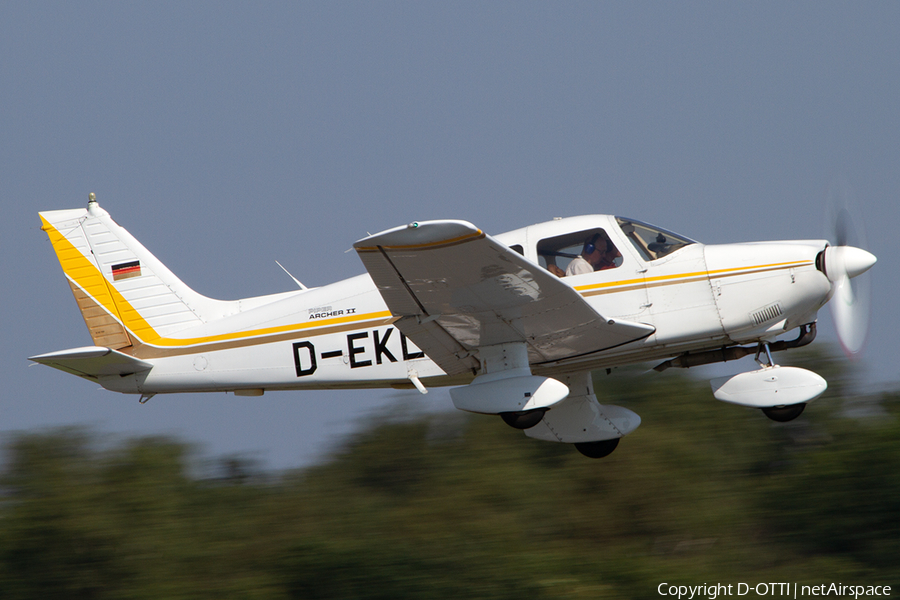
{"type": "Point", "coordinates": [343, 335]}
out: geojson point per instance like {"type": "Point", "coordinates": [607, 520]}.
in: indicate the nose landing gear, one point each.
{"type": "Point", "coordinates": [780, 414]}
{"type": "Point", "coordinates": [781, 392]}
{"type": "Point", "coordinates": [783, 414]}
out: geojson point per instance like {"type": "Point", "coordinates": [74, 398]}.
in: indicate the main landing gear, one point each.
{"type": "Point", "coordinates": [529, 418]}
{"type": "Point", "coordinates": [597, 449]}
{"type": "Point", "coordinates": [577, 418]}
{"type": "Point", "coordinates": [525, 419]}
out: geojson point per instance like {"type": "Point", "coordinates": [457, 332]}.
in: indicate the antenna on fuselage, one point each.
{"type": "Point", "coordinates": [297, 281]}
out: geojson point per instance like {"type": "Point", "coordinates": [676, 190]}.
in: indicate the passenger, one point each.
{"type": "Point", "coordinates": [556, 270]}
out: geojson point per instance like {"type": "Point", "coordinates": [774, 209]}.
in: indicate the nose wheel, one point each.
{"type": "Point", "coordinates": [783, 414]}
{"type": "Point", "coordinates": [780, 414]}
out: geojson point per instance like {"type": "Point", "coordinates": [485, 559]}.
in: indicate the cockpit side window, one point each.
{"type": "Point", "coordinates": [556, 253]}
{"type": "Point", "coordinates": [650, 241]}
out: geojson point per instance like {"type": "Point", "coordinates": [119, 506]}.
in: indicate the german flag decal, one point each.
{"type": "Point", "coordinates": [126, 270]}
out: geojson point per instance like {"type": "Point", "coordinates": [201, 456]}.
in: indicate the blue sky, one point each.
{"type": "Point", "coordinates": [228, 135]}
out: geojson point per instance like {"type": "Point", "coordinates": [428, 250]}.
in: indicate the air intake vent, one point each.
{"type": "Point", "coordinates": [767, 313]}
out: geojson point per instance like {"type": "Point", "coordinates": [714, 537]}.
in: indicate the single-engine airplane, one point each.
{"type": "Point", "coordinates": [516, 321]}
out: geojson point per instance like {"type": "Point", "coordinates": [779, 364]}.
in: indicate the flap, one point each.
{"type": "Point", "coordinates": [93, 362]}
{"type": "Point", "coordinates": [457, 289]}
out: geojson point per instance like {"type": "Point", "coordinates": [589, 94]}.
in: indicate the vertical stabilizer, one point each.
{"type": "Point", "coordinates": [126, 295]}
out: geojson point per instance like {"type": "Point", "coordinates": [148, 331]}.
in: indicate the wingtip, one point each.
{"type": "Point", "coordinates": [420, 235]}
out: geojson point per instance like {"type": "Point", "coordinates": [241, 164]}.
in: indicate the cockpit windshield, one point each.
{"type": "Point", "coordinates": [650, 241]}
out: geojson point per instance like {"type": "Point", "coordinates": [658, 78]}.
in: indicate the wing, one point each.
{"type": "Point", "coordinates": [456, 289]}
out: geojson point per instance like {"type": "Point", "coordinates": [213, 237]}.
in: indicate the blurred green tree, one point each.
{"type": "Point", "coordinates": [439, 505]}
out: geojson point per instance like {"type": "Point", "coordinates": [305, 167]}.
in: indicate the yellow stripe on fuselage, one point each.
{"type": "Point", "coordinates": [88, 277]}
{"type": "Point", "coordinates": [625, 284]}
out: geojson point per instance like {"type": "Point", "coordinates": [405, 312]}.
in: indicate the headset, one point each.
{"type": "Point", "coordinates": [590, 244]}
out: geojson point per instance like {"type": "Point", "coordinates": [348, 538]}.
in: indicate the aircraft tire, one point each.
{"type": "Point", "coordinates": [597, 449]}
{"type": "Point", "coordinates": [523, 419]}
{"type": "Point", "coordinates": [783, 414]}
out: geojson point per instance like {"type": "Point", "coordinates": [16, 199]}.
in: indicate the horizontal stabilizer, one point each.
{"type": "Point", "coordinates": [92, 362]}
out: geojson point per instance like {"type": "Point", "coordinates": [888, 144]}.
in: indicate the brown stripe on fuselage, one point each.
{"type": "Point", "coordinates": [142, 350]}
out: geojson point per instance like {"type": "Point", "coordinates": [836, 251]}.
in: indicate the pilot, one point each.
{"type": "Point", "coordinates": [598, 254]}
{"type": "Point", "coordinates": [609, 259]}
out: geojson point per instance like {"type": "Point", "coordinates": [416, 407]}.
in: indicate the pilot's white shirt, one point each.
{"type": "Point", "coordinates": [579, 266]}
